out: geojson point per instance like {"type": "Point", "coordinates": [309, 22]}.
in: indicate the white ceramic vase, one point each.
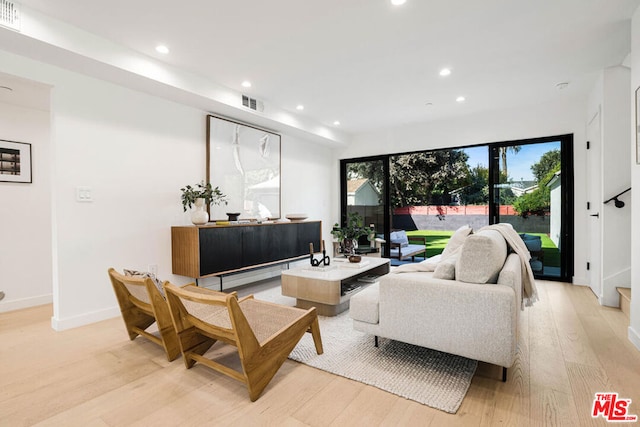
{"type": "Point", "coordinates": [199, 215]}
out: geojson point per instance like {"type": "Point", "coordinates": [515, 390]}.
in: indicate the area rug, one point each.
{"type": "Point", "coordinates": [430, 377]}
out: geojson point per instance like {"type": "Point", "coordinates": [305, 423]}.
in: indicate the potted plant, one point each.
{"type": "Point", "coordinates": [201, 195]}
{"type": "Point", "coordinates": [349, 234]}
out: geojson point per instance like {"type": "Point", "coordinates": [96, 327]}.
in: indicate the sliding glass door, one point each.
{"type": "Point", "coordinates": [364, 188]}
{"type": "Point", "coordinates": [429, 194]}
{"type": "Point", "coordinates": [533, 191]}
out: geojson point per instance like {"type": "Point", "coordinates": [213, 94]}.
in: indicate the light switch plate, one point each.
{"type": "Point", "coordinates": [83, 194]}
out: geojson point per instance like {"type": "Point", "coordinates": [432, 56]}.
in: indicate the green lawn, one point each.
{"type": "Point", "coordinates": [551, 252]}
{"type": "Point", "coordinates": [437, 240]}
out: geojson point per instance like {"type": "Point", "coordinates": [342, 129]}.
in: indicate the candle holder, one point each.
{"type": "Point", "coordinates": [324, 261]}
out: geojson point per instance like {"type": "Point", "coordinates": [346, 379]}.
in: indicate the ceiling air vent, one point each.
{"type": "Point", "coordinates": [10, 15]}
{"type": "Point", "coordinates": [250, 103]}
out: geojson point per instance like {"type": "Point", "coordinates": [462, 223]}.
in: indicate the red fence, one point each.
{"type": "Point", "coordinates": [452, 210]}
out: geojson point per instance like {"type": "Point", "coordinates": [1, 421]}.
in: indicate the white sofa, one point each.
{"type": "Point", "coordinates": [474, 313]}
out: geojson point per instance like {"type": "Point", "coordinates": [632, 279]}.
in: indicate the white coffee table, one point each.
{"type": "Point", "coordinates": [328, 289]}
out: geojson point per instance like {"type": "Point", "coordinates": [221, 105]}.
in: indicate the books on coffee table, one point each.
{"type": "Point", "coordinates": [369, 278]}
{"type": "Point", "coordinates": [347, 264]}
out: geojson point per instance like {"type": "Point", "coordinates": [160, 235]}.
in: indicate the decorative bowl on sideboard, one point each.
{"type": "Point", "coordinates": [296, 217]}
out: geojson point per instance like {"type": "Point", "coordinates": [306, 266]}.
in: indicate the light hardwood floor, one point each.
{"type": "Point", "coordinates": [570, 348]}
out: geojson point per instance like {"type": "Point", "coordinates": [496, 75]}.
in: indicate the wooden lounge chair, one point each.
{"type": "Point", "coordinates": [142, 305]}
{"type": "Point", "coordinates": [264, 333]}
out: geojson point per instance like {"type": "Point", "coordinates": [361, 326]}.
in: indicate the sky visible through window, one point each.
{"type": "Point", "coordinates": [519, 164]}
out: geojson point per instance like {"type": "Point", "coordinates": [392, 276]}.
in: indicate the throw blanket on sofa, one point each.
{"type": "Point", "coordinates": [529, 291]}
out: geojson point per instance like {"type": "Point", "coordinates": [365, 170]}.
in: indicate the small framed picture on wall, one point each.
{"type": "Point", "coordinates": [15, 161]}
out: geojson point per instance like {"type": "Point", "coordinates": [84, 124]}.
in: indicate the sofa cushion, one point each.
{"type": "Point", "coordinates": [428, 265]}
{"type": "Point", "coordinates": [481, 257]}
{"type": "Point", "coordinates": [456, 241]}
{"type": "Point", "coordinates": [399, 237]}
{"type": "Point", "coordinates": [446, 269]}
{"type": "Point", "coordinates": [364, 306]}
{"type": "Point", "coordinates": [431, 263]}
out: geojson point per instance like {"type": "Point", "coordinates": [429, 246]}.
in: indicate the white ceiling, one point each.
{"type": "Point", "coordinates": [367, 63]}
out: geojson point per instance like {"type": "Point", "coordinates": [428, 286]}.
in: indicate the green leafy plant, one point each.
{"type": "Point", "coordinates": [354, 229]}
{"type": "Point", "coordinates": [204, 191]}
{"type": "Point", "coordinates": [537, 202]}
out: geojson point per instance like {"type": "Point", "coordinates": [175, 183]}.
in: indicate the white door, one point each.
{"type": "Point", "coordinates": [594, 194]}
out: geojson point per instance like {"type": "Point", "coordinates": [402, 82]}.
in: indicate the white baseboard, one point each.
{"type": "Point", "coordinates": [580, 281]}
{"type": "Point", "coordinates": [17, 304]}
{"type": "Point", "coordinates": [84, 319]}
{"type": "Point", "coordinates": [634, 337]}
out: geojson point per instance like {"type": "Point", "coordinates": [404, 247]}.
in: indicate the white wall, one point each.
{"type": "Point", "coordinates": [634, 327]}
{"type": "Point", "coordinates": [135, 152]}
{"type": "Point", "coordinates": [616, 241]}
{"type": "Point", "coordinates": [565, 116]}
{"type": "Point", "coordinates": [25, 214]}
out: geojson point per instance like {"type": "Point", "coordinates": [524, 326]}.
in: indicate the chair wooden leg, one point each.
{"type": "Point", "coordinates": [375, 340]}
{"type": "Point", "coordinates": [193, 342]}
{"type": "Point", "coordinates": [134, 318]}
{"type": "Point", "coordinates": [261, 366]}
{"type": "Point", "coordinates": [315, 332]}
{"type": "Point", "coordinates": [170, 342]}
{"type": "Point", "coordinates": [504, 374]}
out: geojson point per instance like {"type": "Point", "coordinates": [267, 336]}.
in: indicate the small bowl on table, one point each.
{"type": "Point", "coordinates": [355, 258]}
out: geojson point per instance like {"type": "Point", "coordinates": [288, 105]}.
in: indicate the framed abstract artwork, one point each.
{"type": "Point", "coordinates": [244, 161]}
{"type": "Point", "coordinates": [15, 161]}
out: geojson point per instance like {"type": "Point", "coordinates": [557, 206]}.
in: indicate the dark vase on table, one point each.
{"type": "Point", "coordinates": [348, 247]}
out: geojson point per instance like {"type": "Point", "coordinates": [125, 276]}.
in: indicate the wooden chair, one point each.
{"type": "Point", "coordinates": [142, 305]}
{"type": "Point", "coordinates": [264, 333]}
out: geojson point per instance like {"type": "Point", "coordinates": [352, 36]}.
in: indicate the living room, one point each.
{"type": "Point", "coordinates": [57, 249]}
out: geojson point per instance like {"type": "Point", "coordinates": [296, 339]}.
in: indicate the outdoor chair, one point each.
{"type": "Point", "coordinates": [403, 246]}
{"type": "Point", "coordinates": [263, 333]}
{"type": "Point", "coordinates": [142, 305]}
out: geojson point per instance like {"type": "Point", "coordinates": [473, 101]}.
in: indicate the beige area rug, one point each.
{"type": "Point", "coordinates": [435, 379]}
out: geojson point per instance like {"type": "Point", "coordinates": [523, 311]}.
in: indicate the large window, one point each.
{"type": "Point", "coordinates": [526, 183]}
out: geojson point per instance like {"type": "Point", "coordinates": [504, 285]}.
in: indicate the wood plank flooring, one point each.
{"type": "Point", "coordinates": [569, 348]}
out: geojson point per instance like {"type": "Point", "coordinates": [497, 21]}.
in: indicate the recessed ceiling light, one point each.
{"type": "Point", "coordinates": [428, 104]}
{"type": "Point", "coordinates": [162, 49]}
{"type": "Point", "coordinates": [445, 72]}
{"type": "Point", "coordinates": [460, 99]}
{"type": "Point", "coordinates": [336, 123]}
{"type": "Point", "coordinates": [562, 85]}
{"type": "Point", "coordinates": [300, 107]}
{"type": "Point", "coordinates": [398, 2]}
{"type": "Point", "coordinates": [246, 83]}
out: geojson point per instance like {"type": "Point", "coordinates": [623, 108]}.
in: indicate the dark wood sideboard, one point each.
{"type": "Point", "coordinates": [215, 250]}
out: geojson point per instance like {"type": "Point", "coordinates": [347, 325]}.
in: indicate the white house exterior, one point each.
{"type": "Point", "coordinates": [360, 192]}
{"type": "Point", "coordinates": [556, 202]}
